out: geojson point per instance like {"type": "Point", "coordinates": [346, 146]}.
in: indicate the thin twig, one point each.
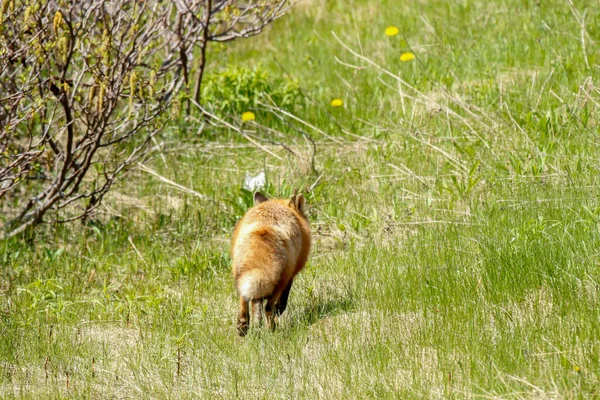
{"type": "Point", "coordinates": [171, 183]}
{"type": "Point", "coordinates": [235, 128]}
{"type": "Point", "coordinates": [136, 250]}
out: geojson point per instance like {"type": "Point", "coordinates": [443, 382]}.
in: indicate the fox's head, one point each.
{"type": "Point", "coordinates": [296, 202]}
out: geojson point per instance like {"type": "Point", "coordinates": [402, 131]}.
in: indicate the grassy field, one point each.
{"type": "Point", "coordinates": [455, 213]}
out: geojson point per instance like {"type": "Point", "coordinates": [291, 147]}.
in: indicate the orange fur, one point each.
{"type": "Point", "coordinates": [270, 245]}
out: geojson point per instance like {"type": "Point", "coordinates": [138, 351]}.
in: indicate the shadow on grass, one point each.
{"type": "Point", "coordinates": [321, 308]}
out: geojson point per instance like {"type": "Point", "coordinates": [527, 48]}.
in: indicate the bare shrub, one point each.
{"type": "Point", "coordinates": [86, 85]}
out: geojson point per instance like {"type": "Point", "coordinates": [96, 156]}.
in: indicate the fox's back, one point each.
{"type": "Point", "coordinates": [270, 234]}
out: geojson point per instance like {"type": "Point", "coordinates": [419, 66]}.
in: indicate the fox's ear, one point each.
{"type": "Point", "coordinates": [292, 202]}
{"type": "Point", "coordinates": [299, 203]}
{"type": "Point", "coordinates": [259, 198]}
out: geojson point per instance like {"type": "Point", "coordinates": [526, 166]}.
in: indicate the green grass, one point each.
{"type": "Point", "coordinates": [456, 229]}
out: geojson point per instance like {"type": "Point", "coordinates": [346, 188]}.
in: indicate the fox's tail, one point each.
{"type": "Point", "coordinates": [253, 284]}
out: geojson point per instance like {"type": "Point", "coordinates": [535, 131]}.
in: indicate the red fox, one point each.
{"type": "Point", "coordinates": [269, 247]}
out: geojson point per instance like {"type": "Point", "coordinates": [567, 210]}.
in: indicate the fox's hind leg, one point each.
{"type": "Point", "coordinates": [269, 315]}
{"type": "Point", "coordinates": [283, 299]}
{"type": "Point", "coordinates": [243, 317]}
{"type": "Point", "coordinates": [257, 306]}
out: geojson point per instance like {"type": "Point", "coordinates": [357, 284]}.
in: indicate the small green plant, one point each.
{"type": "Point", "coordinates": [236, 89]}
{"type": "Point", "coordinates": [462, 186]}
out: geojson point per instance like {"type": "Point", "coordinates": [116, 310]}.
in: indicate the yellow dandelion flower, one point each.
{"type": "Point", "coordinates": [248, 116]}
{"type": "Point", "coordinates": [391, 31]}
{"type": "Point", "coordinates": [337, 103]}
{"type": "Point", "coordinates": [407, 56]}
